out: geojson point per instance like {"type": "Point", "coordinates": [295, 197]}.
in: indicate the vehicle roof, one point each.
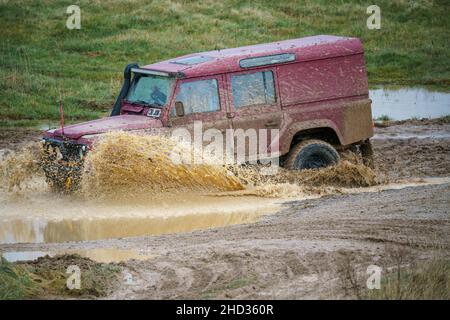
{"type": "Point", "coordinates": [227, 60]}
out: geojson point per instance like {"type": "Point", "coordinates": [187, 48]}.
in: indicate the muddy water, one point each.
{"type": "Point", "coordinates": [401, 103]}
{"type": "Point", "coordinates": [24, 255]}
{"type": "Point", "coordinates": [34, 220]}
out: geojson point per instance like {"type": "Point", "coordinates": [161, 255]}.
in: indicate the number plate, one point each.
{"type": "Point", "coordinates": [154, 112]}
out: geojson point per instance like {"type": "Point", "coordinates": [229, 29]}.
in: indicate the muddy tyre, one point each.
{"type": "Point", "coordinates": [367, 153]}
{"type": "Point", "coordinates": [311, 154]}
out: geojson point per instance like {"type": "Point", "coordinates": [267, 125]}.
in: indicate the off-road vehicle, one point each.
{"type": "Point", "coordinates": [313, 89]}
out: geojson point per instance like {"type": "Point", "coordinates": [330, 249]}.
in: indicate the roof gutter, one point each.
{"type": "Point", "coordinates": [158, 73]}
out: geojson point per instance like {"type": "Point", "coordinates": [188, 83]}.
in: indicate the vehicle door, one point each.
{"type": "Point", "coordinates": [205, 107]}
{"type": "Point", "coordinates": [254, 106]}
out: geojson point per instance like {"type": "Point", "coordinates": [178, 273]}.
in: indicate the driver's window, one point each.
{"type": "Point", "coordinates": [199, 96]}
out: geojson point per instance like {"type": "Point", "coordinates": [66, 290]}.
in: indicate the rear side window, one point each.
{"type": "Point", "coordinates": [199, 96]}
{"type": "Point", "coordinates": [253, 89]}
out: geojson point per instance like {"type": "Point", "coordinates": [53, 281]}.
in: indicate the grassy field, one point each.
{"type": "Point", "coordinates": [41, 59]}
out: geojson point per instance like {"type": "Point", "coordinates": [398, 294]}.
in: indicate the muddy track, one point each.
{"type": "Point", "coordinates": [297, 253]}
{"type": "Point", "coordinates": [14, 138]}
{"type": "Point", "coordinates": [294, 253]}
{"type": "Point", "coordinates": [413, 149]}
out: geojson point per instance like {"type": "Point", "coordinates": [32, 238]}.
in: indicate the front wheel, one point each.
{"type": "Point", "coordinates": [311, 154]}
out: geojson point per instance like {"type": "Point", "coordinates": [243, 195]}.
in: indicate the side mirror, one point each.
{"type": "Point", "coordinates": [179, 109]}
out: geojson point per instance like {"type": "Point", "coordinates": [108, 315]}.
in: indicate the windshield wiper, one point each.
{"type": "Point", "coordinates": [140, 102]}
{"type": "Point", "coordinates": [157, 105]}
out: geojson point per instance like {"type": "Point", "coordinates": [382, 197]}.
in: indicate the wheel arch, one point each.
{"type": "Point", "coordinates": [322, 129]}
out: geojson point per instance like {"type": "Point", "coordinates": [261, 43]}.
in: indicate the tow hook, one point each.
{"type": "Point", "coordinates": [68, 183]}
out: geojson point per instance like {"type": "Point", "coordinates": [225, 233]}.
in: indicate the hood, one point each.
{"type": "Point", "coordinates": [122, 122]}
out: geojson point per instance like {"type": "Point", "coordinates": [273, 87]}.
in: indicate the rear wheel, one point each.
{"type": "Point", "coordinates": [311, 154]}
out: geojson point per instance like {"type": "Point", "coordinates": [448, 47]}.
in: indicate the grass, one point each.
{"type": "Point", "coordinates": [446, 118]}
{"type": "Point", "coordinates": [429, 281]}
{"type": "Point", "coordinates": [383, 118]}
{"type": "Point", "coordinates": [47, 277]}
{"type": "Point", "coordinates": [42, 60]}
{"type": "Point", "coordinates": [16, 282]}
{"type": "Point", "coordinates": [403, 277]}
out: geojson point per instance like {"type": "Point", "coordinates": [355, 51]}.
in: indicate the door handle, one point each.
{"type": "Point", "coordinates": [271, 124]}
{"type": "Point", "coordinates": [230, 115]}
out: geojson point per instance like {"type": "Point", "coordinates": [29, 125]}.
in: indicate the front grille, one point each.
{"type": "Point", "coordinates": [69, 151]}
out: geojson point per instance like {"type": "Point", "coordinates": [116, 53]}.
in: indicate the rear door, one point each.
{"type": "Point", "coordinates": [254, 106]}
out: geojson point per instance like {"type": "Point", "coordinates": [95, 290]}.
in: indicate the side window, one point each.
{"type": "Point", "coordinates": [199, 96]}
{"type": "Point", "coordinates": [253, 88]}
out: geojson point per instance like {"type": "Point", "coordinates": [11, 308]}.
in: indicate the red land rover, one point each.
{"type": "Point", "coordinates": [313, 90]}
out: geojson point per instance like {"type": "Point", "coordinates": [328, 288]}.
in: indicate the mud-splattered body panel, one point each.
{"type": "Point", "coordinates": [327, 93]}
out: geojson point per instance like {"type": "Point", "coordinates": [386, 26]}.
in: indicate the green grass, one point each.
{"type": "Point", "coordinates": [383, 118]}
{"type": "Point", "coordinates": [42, 60]}
{"type": "Point", "coordinates": [429, 280]}
{"type": "Point", "coordinates": [47, 277]}
{"type": "Point", "coordinates": [15, 282]}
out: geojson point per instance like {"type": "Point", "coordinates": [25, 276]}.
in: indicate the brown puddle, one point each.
{"type": "Point", "coordinates": [102, 255]}
{"type": "Point", "coordinates": [64, 220]}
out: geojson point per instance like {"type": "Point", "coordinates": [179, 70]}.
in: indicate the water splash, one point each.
{"type": "Point", "coordinates": [124, 163]}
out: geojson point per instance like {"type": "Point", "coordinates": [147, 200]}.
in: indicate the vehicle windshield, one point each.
{"type": "Point", "coordinates": [150, 90]}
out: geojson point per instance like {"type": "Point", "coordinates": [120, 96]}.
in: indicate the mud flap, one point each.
{"type": "Point", "coordinates": [367, 153]}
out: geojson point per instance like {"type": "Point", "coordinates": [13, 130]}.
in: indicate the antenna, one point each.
{"type": "Point", "coordinates": [61, 114]}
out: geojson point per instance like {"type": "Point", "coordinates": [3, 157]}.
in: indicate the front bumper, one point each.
{"type": "Point", "coordinates": [63, 163]}
{"type": "Point", "coordinates": [66, 150]}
